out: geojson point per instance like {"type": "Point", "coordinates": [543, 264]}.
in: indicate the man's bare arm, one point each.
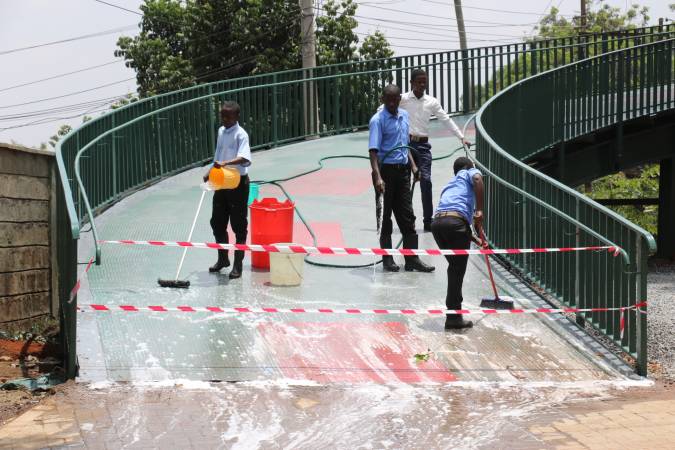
{"type": "Point", "coordinates": [378, 183]}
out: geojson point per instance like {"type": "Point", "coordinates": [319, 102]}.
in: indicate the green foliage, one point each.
{"type": "Point", "coordinates": [182, 43]}
{"type": "Point", "coordinates": [422, 357]}
{"type": "Point", "coordinates": [375, 46]}
{"type": "Point", "coordinates": [185, 42]}
{"type": "Point", "coordinates": [600, 17]}
{"type": "Point", "coordinates": [335, 37]}
{"type": "Point", "coordinates": [62, 131]}
{"type": "Point", "coordinates": [129, 98]}
{"type": "Point", "coordinates": [646, 185]}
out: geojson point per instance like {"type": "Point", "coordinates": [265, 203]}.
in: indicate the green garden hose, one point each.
{"type": "Point", "coordinates": [316, 169]}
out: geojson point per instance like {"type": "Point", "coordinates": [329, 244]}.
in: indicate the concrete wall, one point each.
{"type": "Point", "coordinates": [26, 243]}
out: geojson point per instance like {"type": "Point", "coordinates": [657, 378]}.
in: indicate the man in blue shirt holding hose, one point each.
{"type": "Point", "coordinates": [461, 204]}
{"type": "Point", "coordinates": [391, 168]}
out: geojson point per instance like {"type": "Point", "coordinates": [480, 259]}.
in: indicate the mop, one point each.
{"type": "Point", "coordinates": [496, 302]}
{"type": "Point", "coordinates": [176, 283]}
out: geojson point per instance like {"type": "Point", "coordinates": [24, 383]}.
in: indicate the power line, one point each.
{"type": "Point", "coordinates": [442, 35]}
{"type": "Point", "coordinates": [447, 39]}
{"type": "Point", "coordinates": [76, 38]}
{"type": "Point", "coordinates": [505, 11]}
{"type": "Point", "coordinates": [68, 95]}
{"type": "Point", "coordinates": [119, 7]}
{"type": "Point", "coordinates": [59, 109]}
{"type": "Point", "coordinates": [60, 75]}
{"type": "Point", "coordinates": [417, 13]}
{"type": "Point", "coordinates": [434, 26]}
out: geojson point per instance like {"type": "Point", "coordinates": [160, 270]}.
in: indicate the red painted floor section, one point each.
{"type": "Point", "coordinates": [335, 182]}
{"type": "Point", "coordinates": [350, 352]}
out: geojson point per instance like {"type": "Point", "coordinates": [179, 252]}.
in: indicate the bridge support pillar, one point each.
{"type": "Point", "coordinates": [666, 224]}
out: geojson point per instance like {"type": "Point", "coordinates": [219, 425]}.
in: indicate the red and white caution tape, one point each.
{"type": "Point", "coordinates": [361, 251]}
{"type": "Point", "coordinates": [76, 288]}
{"type": "Point", "coordinates": [352, 311]}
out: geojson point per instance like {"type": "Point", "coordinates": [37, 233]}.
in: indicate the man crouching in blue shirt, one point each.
{"type": "Point", "coordinates": [230, 205]}
{"type": "Point", "coordinates": [451, 228]}
{"type": "Point", "coordinates": [388, 136]}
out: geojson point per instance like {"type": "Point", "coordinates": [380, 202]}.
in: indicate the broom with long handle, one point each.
{"type": "Point", "coordinates": [176, 283]}
{"type": "Point", "coordinates": [496, 302]}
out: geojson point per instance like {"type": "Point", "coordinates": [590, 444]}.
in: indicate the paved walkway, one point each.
{"type": "Point", "coordinates": [304, 381]}
{"type": "Point", "coordinates": [272, 416]}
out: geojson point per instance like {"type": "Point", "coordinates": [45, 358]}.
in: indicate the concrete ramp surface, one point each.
{"type": "Point", "coordinates": [352, 349]}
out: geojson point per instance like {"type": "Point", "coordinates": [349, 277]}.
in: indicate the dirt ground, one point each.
{"type": "Point", "coordinates": [24, 359]}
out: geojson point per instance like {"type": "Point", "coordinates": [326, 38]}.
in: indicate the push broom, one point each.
{"type": "Point", "coordinates": [496, 302]}
{"type": "Point", "coordinates": [176, 283]}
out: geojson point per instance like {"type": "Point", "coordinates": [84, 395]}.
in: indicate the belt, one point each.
{"type": "Point", "coordinates": [396, 166]}
{"type": "Point", "coordinates": [420, 139]}
{"type": "Point", "coordinates": [449, 214]}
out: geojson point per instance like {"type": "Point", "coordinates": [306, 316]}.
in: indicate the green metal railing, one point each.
{"type": "Point", "coordinates": [527, 208]}
{"type": "Point", "coordinates": [141, 143]}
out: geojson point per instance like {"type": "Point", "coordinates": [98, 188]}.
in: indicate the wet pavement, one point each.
{"type": "Point", "coordinates": [338, 204]}
{"type": "Point", "coordinates": [208, 380]}
{"type": "Point", "coordinates": [274, 415]}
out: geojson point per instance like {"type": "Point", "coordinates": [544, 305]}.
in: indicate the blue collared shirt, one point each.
{"type": "Point", "coordinates": [458, 194]}
{"type": "Point", "coordinates": [233, 142]}
{"type": "Point", "coordinates": [388, 131]}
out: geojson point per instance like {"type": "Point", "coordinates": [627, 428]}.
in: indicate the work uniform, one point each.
{"type": "Point", "coordinates": [452, 230]}
{"type": "Point", "coordinates": [230, 205]}
{"type": "Point", "coordinates": [388, 131]}
{"type": "Point", "coordinates": [420, 111]}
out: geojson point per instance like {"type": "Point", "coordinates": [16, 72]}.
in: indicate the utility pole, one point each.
{"type": "Point", "coordinates": [466, 98]}
{"type": "Point", "coordinates": [307, 33]}
{"type": "Point", "coordinates": [460, 24]}
{"type": "Point", "coordinates": [583, 15]}
{"type": "Point", "coordinates": [582, 31]}
{"type": "Point", "coordinates": [308, 42]}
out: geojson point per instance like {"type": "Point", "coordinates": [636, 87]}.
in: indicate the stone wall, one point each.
{"type": "Point", "coordinates": [26, 250]}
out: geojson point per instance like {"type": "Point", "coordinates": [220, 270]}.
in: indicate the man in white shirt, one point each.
{"type": "Point", "coordinates": [420, 108]}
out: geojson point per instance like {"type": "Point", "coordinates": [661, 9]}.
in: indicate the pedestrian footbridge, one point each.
{"type": "Point", "coordinates": [134, 174]}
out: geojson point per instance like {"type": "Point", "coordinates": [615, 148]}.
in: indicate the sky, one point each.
{"type": "Point", "coordinates": [412, 27]}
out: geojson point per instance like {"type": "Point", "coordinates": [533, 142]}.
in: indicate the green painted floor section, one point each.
{"type": "Point", "coordinates": [141, 346]}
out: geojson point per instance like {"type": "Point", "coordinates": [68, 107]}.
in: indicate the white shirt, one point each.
{"type": "Point", "coordinates": [420, 111]}
{"type": "Point", "coordinates": [233, 142]}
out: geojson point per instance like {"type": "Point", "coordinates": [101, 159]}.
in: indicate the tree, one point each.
{"type": "Point", "coordinates": [62, 131]}
{"type": "Point", "coordinates": [335, 37]}
{"type": "Point", "coordinates": [186, 42]}
{"type": "Point", "coordinates": [375, 46]}
{"type": "Point", "coordinates": [182, 43]}
{"type": "Point", "coordinates": [600, 17]}
{"type": "Point", "coordinates": [644, 185]}
{"type": "Point", "coordinates": [337, 41]}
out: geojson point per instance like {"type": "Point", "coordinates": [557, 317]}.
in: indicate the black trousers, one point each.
{"type": "Point", "coordinates": [397, 199]}
{"type": "Point", "coordinates": [453, 233]}
{"type": "Point", "coordinates": [231, 206]}
{"type": "Point", "coordinates": [422, 156]}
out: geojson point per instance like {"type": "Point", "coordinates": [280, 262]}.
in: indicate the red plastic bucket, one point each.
{"type": "Point", "coordinates": [271, 222]}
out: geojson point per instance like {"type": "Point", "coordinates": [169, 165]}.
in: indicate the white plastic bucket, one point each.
{"type": "Point", "coordinates": [286, 269]}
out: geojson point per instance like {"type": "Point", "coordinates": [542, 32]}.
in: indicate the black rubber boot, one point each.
{"type": "Point", "coordinates": [223, 261]}
{"type": "Point", "coordinates": [457, 322]}
{"type": "Point", "coordinates": [237, 266]}
{"type": "Point", "coordinates": [388, 263]}
{"type": "Point", "coordinates": [414, 262]}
